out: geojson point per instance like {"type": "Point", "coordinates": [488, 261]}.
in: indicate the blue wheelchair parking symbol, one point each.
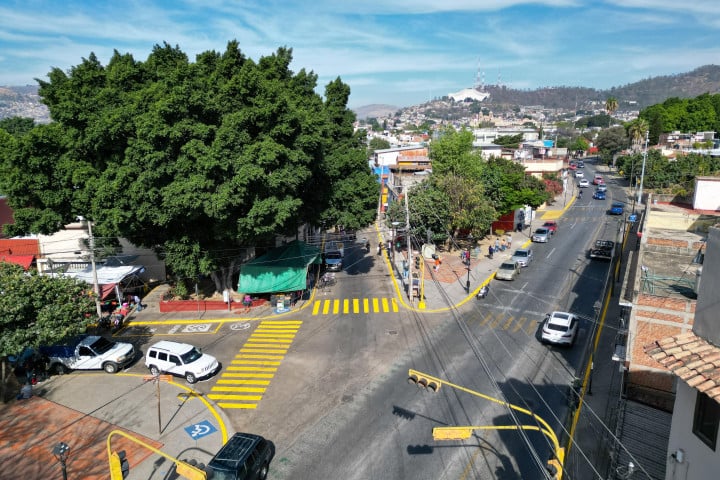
{"type": "Point", "coordinates": [199, 430]}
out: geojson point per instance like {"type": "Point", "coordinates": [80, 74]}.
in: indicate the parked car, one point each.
{"type": "Point", "coordinates": [617, 208]}
{"type": "Point", "coordinates": [541, 235]}
{"type": "Point", "coordinates": [244, 457]}
{"type": "Point", "coordinates": [180, 359]}
{"type": "Point", "coordinates": [522, 256]}
{"type": "Point", "coordinates": [602, 188]}
{"type": "Point", "coordinates": [560, 328]}
{"type": "Point", "coordinates": [579, 174]}
{"type": "Point", "coordinates": [598, 195]}
{"type": "Point", "coordinates": [583, 183]}
{"type": "Point", "coordinates": [88, 352]}
{"type": "Point", "coordinates": [551, 225]}
{"type": "Point", "coordinates": [508, 270]}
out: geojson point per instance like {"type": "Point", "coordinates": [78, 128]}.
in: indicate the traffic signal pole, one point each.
{"type": "Point", "coordinates": [182, 468]}
{"type": "Point", "coordinates": [459, 433]}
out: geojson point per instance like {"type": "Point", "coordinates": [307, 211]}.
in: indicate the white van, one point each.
{"type": "Point", "coordinates": [181, 359]}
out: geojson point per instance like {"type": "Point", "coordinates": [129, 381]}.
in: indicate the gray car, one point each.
{"type": "Point", "coordinates": [523, 256]}
{"type": "Point", "coordinates": [541, 235]}
{"type": "Point", "coordinates": [508, 270]}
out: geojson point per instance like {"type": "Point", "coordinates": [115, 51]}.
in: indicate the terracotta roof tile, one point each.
{"type": "Point", "coordinates": [692, 359]}
{"type": "Point", "coordinates": [695, 381]}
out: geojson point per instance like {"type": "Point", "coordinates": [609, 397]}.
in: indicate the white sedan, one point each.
{"type": "Point", "coordinates": [579, 174]}
{"type": "Point", "coordinates": [583, 183]}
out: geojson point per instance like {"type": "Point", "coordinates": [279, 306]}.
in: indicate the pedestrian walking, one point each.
{"type": "Point", "coordinates": [138, 303]}
{"type": "Point", "coordinates": [437, 263]}
{"type": "Point", "coordinates": [490, 251]}
{"type": "Point", "coordinates": [247, 301]}
{"type": "Point", "coordinates": [509, 241]}
{"type": "Point", "coordinates": [497, 245]}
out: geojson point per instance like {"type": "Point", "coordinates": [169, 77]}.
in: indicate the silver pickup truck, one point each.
{"type": "Point", "coordinates": [88, 352]}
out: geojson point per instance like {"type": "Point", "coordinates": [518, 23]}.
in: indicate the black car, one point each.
{"type": "Point", "coordinates": [244, 457]}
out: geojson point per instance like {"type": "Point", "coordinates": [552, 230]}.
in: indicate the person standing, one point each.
{"type": "Point", "coordinates": [491, 250]}
{"type": "Point", "coordinates": [437, 263]}
{"type": "Point", "coordinates": [138, 303]}
{"type": "Point", "coordinates": [509, 240]}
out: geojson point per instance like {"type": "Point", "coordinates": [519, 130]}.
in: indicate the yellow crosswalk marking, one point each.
{"type": "Point", "coordinates": [346, 306]}
{"type": "Point", "coordinates": [316, 307]}
{"type": "Point", "coordinates": [237, 405]}
{"type": "Point", "coordinates": [252, 362]}
{"type": "Point", "coordinates": [508, 323]}
{"type": "Point", "coordinates": [366, 305]}
{"type": "Point", "coordinates": [267, 357]}
{"type": "Point", "coordinates": [356, 305]}
{"type": "Point", "coordinates": [326, 307]}
{"type": "Point", "coordinates": [395, 308]}
{"type": "Point", "coordinates": [240, 381]}
{"type": "Point", "coordinates": [530, 328]}
{"type": "Point", "coordinates": [485, 320]}
{"type": "Point", "coordinates": [214, 396]}
{"type": "Point", "coordinates": [376, 305]}
{"type": "Point", "coordinates": [238, 389]}
{"type": "Point", "coordinates": [336, 306]}
{"type": "Point", "coordinates": [250, 344]}
{"type": "Point", "coordinates": [496, 322]}
{"type": "Point", "coordinates": [280, 341]}
{"type": "Point", "coordinates": [249, 375]}
{"type": "Point", "coordinates": [521, 321]}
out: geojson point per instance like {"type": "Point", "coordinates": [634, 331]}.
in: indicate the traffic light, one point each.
{"type": "Point", "coordinates": [424, 381]}
{"type": "Point", "coordinates": [417, 262]}
{"type": "Point", "coordinates": [191, 469]}
{"type": "Point", "coordinates": [119, 466]}
{"type": "Point", "coordinates": [554, 465]}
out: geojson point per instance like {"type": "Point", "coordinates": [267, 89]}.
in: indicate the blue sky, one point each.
{"type": "Point", "coordinates": [398, 52]}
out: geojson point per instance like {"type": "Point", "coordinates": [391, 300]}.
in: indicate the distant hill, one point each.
{"type": "Point", "coordinates": [375, 111]}
{"type": "Point", "coordinates": [633, 96]}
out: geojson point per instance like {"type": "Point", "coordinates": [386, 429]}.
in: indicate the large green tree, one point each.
{"type": "Point", "coordinates": [195, 159]}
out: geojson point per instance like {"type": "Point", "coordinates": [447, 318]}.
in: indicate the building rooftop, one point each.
{"type": "Point", "coordinates": [693, 359]}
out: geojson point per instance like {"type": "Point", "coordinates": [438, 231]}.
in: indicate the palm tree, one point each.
{"type": "Point", "coordinates": [611, 104]}
{"type": "Point", "coordinates": [637, 130]}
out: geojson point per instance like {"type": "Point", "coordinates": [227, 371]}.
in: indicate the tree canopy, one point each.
{"type": "Point", "coordinates": [466, 193]}
{"type": "Point", "coordinates": [697, 114]}
{"type": "Point", "coordinates": [196, 160]}
{"type": "Point", "coordinates": [40, 310]}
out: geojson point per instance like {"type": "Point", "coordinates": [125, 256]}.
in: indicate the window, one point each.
{"type": "Point", "coordinates": [706, 419]}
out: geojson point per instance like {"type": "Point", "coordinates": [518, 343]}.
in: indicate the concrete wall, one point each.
{"type": "Point", "coordinates": [707, 193]}
{"type": "Point", "coordinates": [706, 314]}
{"type": "Point", "coordinates": [699, 462]}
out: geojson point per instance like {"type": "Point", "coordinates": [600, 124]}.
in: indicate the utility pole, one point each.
{"type": "Point", "coordinates": [411, 280]}
{"type": "Point", "coordinates": [642, 173]}
{"type": "Point", "coordinates": [96, 285]}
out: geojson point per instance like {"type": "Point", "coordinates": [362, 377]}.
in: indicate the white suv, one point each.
{"type": "Point", "coordinates": [180, 359]}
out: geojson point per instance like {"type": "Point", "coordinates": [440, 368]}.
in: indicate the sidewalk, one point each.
{"type": "Point", "coordinates": [91, 405]}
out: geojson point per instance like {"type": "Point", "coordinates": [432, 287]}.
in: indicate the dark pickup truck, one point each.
{"type": "Point", "coordinates": [603, 250]}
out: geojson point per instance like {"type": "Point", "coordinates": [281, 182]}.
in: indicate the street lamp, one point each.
{"type": "Point", "coordinates": [468, 264]}
{"type": "Point", "coordinates": [60, 451]}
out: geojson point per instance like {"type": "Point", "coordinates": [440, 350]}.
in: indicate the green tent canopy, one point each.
{"type": "Point", "coordinates": [283, 269]}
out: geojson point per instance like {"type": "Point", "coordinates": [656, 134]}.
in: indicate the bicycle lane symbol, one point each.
{"type": "Point", "coordinates": [199, 430]}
